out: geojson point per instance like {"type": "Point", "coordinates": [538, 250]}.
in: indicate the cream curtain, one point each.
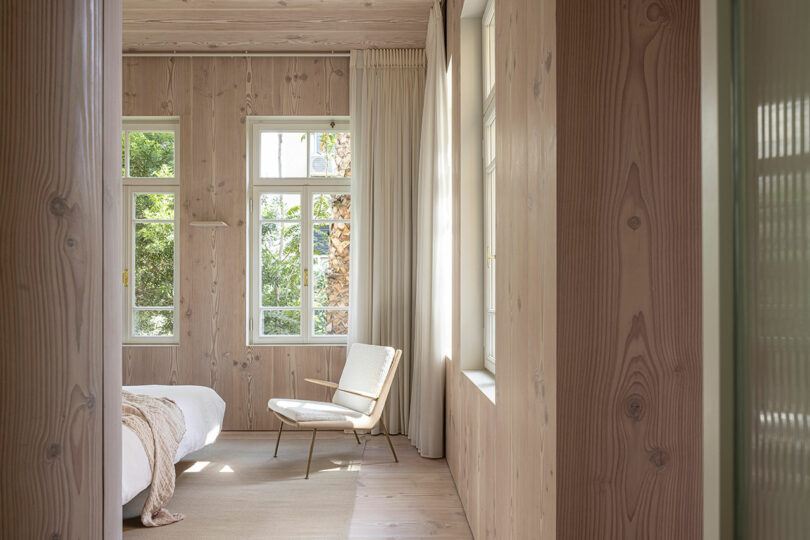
{"type": "Point", "coordinates": [433, 253]}
{"type": "Point", "coordinates": [387, 90]}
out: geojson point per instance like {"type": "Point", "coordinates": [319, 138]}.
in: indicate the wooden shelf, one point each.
{"type": "Point", "coordinates": [208, 224]}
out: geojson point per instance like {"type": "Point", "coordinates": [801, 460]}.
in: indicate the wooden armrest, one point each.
{"type": "Point", "coordinates": [330, 384]}
{"type": "Point", "coordinates": [361, 394]}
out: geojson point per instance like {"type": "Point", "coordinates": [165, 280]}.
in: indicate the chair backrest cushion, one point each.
{"type": "Point", "coordinates": [366, 369]}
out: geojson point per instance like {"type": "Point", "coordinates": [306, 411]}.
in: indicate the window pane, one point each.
{"type": "Point", "coordinates": [330, 263]}
{"type": "Point", "coordinates": [330, 154]}
{"type": "Point", "coordinates": [154, 323]}
{"type": "Point", "coordinates": [154, 264]}
{"type": "Point", "coordinates": [154, 206]}
{"type": "Point", "coordinates": [332, 206]}
{"type": "Point", "coordinates": [490, 335]}
{"type": "Point", "coordinates": [282, 155]}
{"type": "Point", "coordinates": [331, 322]}
{"type": "Point", "coordinates": [280, 206]}
{"type": "Point", "coordinates": [281, 323]}
{"type": "Point", "coordinates": [280, 246]}
{"type": "Point", "coordinates": [489, 55]}
{"type": "Point", "coordinates": [151, 154]}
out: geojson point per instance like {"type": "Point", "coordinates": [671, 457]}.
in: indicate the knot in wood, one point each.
{"type": "Point", "coordinates": [58, 206]}
{"type": "Point", "coordinates": [634, 407]}
{"type": "Point", "coordinates": [657, 458]}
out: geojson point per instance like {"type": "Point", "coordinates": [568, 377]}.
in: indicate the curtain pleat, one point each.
{"type": "Point", "coordinates": [433, 253]}
{"type": "Point", "coordinates": [402, 213]}
{"type": "Point", "coordinates": [387, 92]}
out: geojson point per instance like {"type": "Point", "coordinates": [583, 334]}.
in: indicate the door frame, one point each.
{"type": "Point", "coordinates": [716, 56]}
{"type": "Point", "coordinates": [111, 95]}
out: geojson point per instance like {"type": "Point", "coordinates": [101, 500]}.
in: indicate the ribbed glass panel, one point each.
{"type": "Point", "coordinates": [773, 475]}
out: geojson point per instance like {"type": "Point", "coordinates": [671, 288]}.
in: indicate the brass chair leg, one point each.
{"type": "Point", "coordinates": [275, 454]}
{"type": "Point", "coordinates": [311, 446]}
{"type": "Point", "coordinates": [385, 430]}
{"type": "Point", "coordinates": [355, 436]}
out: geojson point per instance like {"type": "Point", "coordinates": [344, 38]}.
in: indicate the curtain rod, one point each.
{"type": "Point", "coordinates": [235, 54]}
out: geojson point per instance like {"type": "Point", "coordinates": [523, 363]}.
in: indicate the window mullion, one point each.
{"type": "Point", "coordinates": [131, 287]}
{"type": "Point", "coordinates": [306, 258]}
{"type": "Point", "coordinates": [176, 242]}
{"type": "Point", "coordinates": [256, 262]}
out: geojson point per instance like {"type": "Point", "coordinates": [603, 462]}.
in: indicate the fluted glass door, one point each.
{"type": "Point", "coordinates": [772, 67]}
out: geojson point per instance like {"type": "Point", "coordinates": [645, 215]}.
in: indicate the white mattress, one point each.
{"type": "Point", "coordinates": [203, 411]}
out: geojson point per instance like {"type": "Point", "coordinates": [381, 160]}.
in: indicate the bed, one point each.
{"type": "Point", "coordinates": [203, 411]}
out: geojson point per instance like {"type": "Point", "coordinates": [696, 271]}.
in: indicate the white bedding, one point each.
{"type": "Point", "coordinates": [203, 411]}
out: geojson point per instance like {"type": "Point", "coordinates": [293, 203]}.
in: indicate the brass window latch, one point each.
{"type": "Point", "coordinates": [490, 257]}
{"type": "Point", "coordinates": [306, 278]}
{"type": "Point", "coordinates": [125, 277]}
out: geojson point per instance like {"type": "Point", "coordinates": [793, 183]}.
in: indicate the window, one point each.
{"type": "Point", "coordinates": [300, 209]}
{"type": "Point", "coordinates": [488, 151]}
{"type": "Point", "coordinates": [150, 277]}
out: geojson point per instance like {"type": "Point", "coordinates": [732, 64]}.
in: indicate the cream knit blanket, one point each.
{"type": "Point", "coordinates": [159, 424]}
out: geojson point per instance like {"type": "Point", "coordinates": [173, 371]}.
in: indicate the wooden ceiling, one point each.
{"type": "Point", "coordinates": [272, 25]}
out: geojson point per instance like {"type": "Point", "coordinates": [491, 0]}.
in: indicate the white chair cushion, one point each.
{"type": "Point", "coordinates": [300, 410]}
{"type": "Point", "coordinates": [366, 369]}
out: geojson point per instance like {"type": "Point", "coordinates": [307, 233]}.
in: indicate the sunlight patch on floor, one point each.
{"type": "Point", "coordinates": [198, 466]}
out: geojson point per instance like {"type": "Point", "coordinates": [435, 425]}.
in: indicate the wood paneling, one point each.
{"type": "Point", "coordinates": [212, 97]}
{"type": "Point", "coordinates": [503, 457]}
{"type": "Point", "coordinates": [54, 122]}
{"type": "Point", "coordinates": [472, 442]}
{"type": "Point", "coordinates": [629, 270]}
{"type": "Point", "coordinates": [526, 290]}
{"type": "Point", "coordinates": [598, 275]}
{"type": "Point", "coordinates": [292, 25]}
{"type": "Point", "coordinates": [112, 300]}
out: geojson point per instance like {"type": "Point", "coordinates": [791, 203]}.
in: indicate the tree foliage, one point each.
{"type": "Point", "coordinates": [151, 155]}
{"type": "Point", "coordinates": [154, 262]}
{"type": "Point", "coordinates": [280, 245]}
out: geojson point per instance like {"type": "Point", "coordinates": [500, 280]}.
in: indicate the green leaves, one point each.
{"type": "Point", "coordinates": [151, 154]}
{"type": "Point", "coordinates": [154, 262]}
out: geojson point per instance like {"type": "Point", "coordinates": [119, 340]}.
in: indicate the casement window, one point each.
{"type": "Point", "coordinates": [150, 227]}
{"type": "Point", "coordinates": [300, 228]}
{"type": "Point", "coordinates": [488, 152]}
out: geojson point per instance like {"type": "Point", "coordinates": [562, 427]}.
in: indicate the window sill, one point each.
{"type": "Point", "coordinates": [483, 380]}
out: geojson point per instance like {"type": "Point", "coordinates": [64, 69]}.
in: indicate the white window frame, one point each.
{"type": "Point", "coordinates": [133, 186]}
{"type": "Point", "coordinates": [162, 124]}
{"type": "Point", "coordinates": [306, 187]}
{"type": "Point", "coordinates": [488, 153]}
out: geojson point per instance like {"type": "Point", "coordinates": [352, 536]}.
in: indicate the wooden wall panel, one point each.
{"type": "Point", "coordinates": [261, 26]}
{"type": "Point", "coordinates": [54, 125]}
{"type": "Point", "coordinates": [526, 288]}
{"type": "Point", "coordinates": [212, 97]}
{"type": "Point", "coordinates": [472, 442]}
{"type": "Point", "coordinates": [112, 300]}
{"type": "Point", "coordinates": [629, 253]}
{"type": "Point", "coordinates": [598, 275]}
{"type": "Point", "coordinates": [503, 456]}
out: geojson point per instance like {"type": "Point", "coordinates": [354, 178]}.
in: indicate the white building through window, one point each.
{"type": "Point", "coordinates": [300, 229]}
{"type": "Point", "coordinates": [150, 226]}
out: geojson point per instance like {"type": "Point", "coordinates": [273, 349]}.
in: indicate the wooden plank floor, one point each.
{"type": "Point", "coordinates": [414, 498]}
